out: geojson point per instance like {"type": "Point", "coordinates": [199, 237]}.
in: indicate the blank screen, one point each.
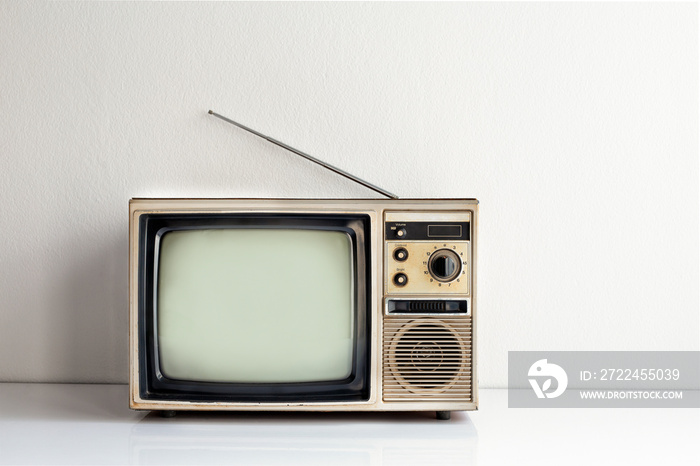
{"type": "Point", "coordinates": [255, 305]}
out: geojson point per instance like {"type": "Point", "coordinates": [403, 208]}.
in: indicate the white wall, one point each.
{"type": "Point", "coordinates": [575, 125]}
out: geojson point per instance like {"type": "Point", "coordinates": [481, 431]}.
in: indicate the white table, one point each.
{"type": "Point", "coordinates": [92, 424]}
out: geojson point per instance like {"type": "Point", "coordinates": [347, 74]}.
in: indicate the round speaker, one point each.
{"type": "Point", "coordinates": [427, 355]}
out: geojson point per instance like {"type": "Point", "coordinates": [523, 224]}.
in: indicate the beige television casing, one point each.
{"type": "Point", "coordinates": [418, 361]}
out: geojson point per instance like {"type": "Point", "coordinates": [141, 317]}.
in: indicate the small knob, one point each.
{"type": "Point", "coordinates": [444, 265]}
{"type": "Point", "coordinates": [400, 254]}
{"type": "Point", "coordinates": [400, 279]}
{"type": "Point", "coordinates": [401, 233]}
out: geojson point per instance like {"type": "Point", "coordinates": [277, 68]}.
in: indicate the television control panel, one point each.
{"type": "Point", "coordinates": [427, 253]}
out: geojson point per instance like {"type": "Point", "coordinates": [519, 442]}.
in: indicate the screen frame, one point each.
{"type": "Point", "coordinates": [156, 386]}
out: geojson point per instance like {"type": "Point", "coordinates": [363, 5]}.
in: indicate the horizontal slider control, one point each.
{"type": "Point", "coordinates": [429, 306]}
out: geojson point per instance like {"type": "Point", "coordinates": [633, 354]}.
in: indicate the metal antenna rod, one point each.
{"type": "Point", "coordinates": [308, 157]}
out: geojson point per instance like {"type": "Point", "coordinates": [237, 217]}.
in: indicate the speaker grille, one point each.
{"type": "Point", "coordinates": [427, 359]}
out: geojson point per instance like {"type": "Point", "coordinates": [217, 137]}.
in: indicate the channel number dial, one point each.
{"type": "Point", "coordinates": [444, 265]}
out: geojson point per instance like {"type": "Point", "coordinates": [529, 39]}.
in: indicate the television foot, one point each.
{"type": "Point", "coordinates": [168, 413]}
{"type": "Point", "coordinates": [443, 415]}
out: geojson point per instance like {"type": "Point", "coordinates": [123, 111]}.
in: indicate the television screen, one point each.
{"type": "Point", "coordinates": [255, 305]}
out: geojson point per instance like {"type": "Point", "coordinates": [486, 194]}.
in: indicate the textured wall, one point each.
{"type": "Point", "coordinates": [575, 125]}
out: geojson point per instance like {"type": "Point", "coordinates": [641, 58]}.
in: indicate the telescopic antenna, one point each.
{"type": "Point", "coordinates": [308, 157]}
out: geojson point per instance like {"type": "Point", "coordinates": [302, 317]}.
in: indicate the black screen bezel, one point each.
{"type": "Point", "coordinates": [154, 385]}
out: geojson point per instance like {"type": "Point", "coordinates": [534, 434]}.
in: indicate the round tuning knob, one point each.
{"type": "Point", "coordinates": [444, 265]}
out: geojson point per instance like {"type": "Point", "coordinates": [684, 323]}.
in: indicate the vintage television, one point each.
{"type": "Point", "coordinates": [294, 304]}
{"type": "Point", "coordinates": [303, 304]}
